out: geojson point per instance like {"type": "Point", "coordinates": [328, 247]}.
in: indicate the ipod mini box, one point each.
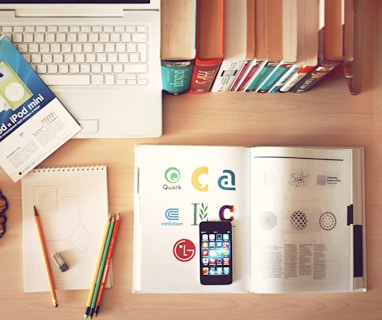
{"type": "Point", "coordinates": [33, 122]}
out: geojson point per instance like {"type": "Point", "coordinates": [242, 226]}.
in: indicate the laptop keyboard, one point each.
{"type": "Point", "coordinates": [84, 55]}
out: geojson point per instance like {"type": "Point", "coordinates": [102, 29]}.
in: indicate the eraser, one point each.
{"type": "Point", "coordinates": [60, 263]}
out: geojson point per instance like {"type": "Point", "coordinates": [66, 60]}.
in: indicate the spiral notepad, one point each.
{"type": "Point", "coordinates": [73, 206]}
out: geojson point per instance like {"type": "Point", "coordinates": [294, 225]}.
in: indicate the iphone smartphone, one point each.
{"type": "Point", "coordinates": [215, 244]}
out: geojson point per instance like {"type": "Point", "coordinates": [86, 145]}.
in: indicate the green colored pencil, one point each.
{"type": "Point", "coordinates": [101, 268]}
{"type": "Point", "coordinates": [98, 263]}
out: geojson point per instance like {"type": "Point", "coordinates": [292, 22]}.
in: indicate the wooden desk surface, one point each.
{"type": "Point", "coordinates": [222, 119]}
{"type": "Point", "coordinates": [327, 116]}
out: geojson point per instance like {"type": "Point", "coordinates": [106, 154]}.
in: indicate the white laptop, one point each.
{"type": "Point", "coordinates": [101, 58]}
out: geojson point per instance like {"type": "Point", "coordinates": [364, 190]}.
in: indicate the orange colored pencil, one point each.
{"type": "Point", "coordinates": [45, 254]}
{"type": "Point", "coordinates": [107, 265]}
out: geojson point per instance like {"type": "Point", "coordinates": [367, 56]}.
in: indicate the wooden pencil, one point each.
{"type": "Point", "coordinates": [46, 260]}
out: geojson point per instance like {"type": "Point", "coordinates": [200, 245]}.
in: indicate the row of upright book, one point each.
{"type": "Point", "coordinates": [263, 46]}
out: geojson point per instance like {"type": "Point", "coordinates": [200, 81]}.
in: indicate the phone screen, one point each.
{"type": "Point", "coordinates": [215, 252]}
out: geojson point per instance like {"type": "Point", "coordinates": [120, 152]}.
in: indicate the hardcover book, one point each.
{"type": "Point", "coordinates": [352, 17]}
{"type": "Point", "coordinates": [330, 49]}
{"type": "Point", "coordinates": [209, 44]}
{"type": "Point", "coordinates": [305, 39]}
{"type": "Point", "coordinates": [235, 27]}
{"type": "Point", "coordinates": [245, 71]}
{"type": "Point", "coordinates": [177, 44]}
{"type": "Point", "coordinates": [274, 68]}
{"type": "Point", "coordinates": [261, 48]}
{"type": "Point", "coordinates": [297, 215]}
{"type": "Point", "coordinates": [33, 122]}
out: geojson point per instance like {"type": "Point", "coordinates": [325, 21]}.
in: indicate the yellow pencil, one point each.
{"type": "Point", "coordinates": [98, 262]}
{"type": "Point", "coordinates": [44, 251]}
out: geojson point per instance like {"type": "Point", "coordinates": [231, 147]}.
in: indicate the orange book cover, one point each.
{"type": "Point", "coordinates": [209, 44]}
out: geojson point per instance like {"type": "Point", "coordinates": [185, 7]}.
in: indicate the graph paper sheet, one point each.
{"type": "Point", "coordinates": [73, 209]}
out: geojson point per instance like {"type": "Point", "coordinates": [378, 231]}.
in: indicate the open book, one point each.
{"type": "Point", "coordinates": [297, 216]}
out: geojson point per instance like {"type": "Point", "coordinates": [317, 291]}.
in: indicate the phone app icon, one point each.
{"type": "Point", "coordinates": [204, 237]}
{"type": "Point", "coordinates": [226, 244]}
{"type": "Point", "coordinates": [205, 253]}
{"type": "Point", "coordinates": [219, 236]}
{"type": "Point", "coordinates": [213, 253]}
{"type": "Point", "coordinates": [219, 244]}
{"type": "Point", "coordinates": [226, 237]}
{"type": "Point", "coordinates": [226, 261]}
{"type": "Point", "coordinates": [212, 261]}
{"type": "Point", "coordinates": [219, 271]}
{"type": "Point", "coordinates": [205, 244]}
{"type": "Point", "coordinates": [219, 262]}
{"type": "Point", "coordinates": [225, 252]}
{"type": "Point", "coordinates": [226, 270]}
{"type": "Point", "coordinates": [205, 271]}
{"type": "Point", "coordinates": [205, 261]}
{"type": "Point", "coordinates": [212, 237]}
{"type": "Point", "coordinates": [212, 244]}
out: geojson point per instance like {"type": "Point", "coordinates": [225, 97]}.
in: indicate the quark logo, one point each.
{"type": "Point", "coordinates": [172, 214]}
{"type": "Point", "coordinates": [184, 250]}
{"type": "Point", "coordinates": [172, 175]}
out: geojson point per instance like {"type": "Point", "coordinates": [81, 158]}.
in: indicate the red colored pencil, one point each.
{"type": "Point", "coordinates": [107, 264]}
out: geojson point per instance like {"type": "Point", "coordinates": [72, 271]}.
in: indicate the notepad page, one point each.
{"type": "Point", "coordinates": [73, 207]}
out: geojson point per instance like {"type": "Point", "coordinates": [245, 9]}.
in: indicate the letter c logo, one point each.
{"type": "Point", "coordinates": [195, 179]}
{"type": "Point", "coordinates": [223, 209]}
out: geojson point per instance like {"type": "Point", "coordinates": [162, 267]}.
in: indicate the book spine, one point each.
{"type": "Point", "coordinates": [313, 77]}
{"type": "Point", "coordinates": [176, 76]}
{"type": "Point", "coordinates": [353, 86]}
{"type": "Point", "coordinates": [283, 80]}
{"type": "Point", "coordinates": [226, 75]}
{"type": "Point", "coordinates": [273, 77]}
{"type": "Point", "coordinates": [239, 77]}
{"type": "Point", "coordinates": [251, 71]}
{"type": "Point", "coordinates": [204, 74]}
{"type": "Point", "coordinates": [264, 70]}
{"type": "Point", "coordinates": [293, 80]}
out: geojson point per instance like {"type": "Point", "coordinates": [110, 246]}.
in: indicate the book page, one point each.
{"type": "Point", "coordinates": [177, 187]}
{"type": "Point", "coordinates": [301, 240]}
{"type": "Point", "coordinates": [73, 207]}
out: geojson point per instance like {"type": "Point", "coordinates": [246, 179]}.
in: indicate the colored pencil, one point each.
{"type": "Point", "coordinates": [45, 254]}
{"type": "Point", "coordinates": [98, 262]}
{"type": "Point", "coordinates": [101, 268]}
{"type": "Point", "coordinates": [108, 262]}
